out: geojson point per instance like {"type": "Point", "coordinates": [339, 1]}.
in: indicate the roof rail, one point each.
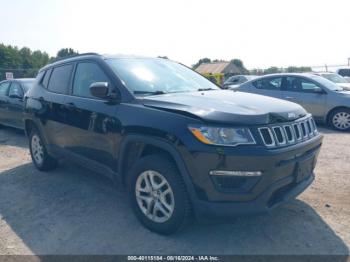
{"type": "Point", "coordinates": [72, 56]}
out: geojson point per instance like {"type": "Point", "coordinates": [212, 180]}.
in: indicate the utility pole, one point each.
{"type": "Point", "coordinates": [349, 61]}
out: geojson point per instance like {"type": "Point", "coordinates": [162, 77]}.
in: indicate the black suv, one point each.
{"type": "Point", "coordinates": [174, 139]}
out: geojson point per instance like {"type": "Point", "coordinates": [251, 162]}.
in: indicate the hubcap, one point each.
{"type": "Point", "coordinates": [37, 149]}
{"type": "Point", "coordinates": [154, 196]}
{"type": "Point", "coordinates": [341, 120]}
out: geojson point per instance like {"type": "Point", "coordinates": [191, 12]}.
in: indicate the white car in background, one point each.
{"type": "Point", "coordinates": [337, 79]}
{"type": "Point", "coordinates": [344, 72]}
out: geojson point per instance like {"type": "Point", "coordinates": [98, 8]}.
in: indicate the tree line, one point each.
{"type": "Point", "coordinates": [24, 62]}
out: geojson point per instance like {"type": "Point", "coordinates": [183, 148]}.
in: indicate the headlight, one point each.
{"type": "Point", "coordinates": [222, 135]}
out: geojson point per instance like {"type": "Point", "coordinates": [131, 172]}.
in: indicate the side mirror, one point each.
{"type": "Point", "coordinates": [99, 89]}
{"type": "Point", "coordinates": [102, 90]}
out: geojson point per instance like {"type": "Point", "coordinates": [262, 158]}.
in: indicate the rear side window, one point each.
{"type": "Point", "coordinates": [3, 88]}
{"type": "Point", "coordinates": [45, 81]}
{"type": "Point", "coordinates": [15, 90]}
{"type": "Point", "coordinates": [60, 79]}
{"type": "Point", "coordinates": [86, 74]}
{"type": "Point", "coordinates": [269, 83]}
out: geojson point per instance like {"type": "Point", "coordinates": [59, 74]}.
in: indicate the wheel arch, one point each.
{"type": "Point", "coordinates": [135, 146]}
{"type": "Point", "coordinates": [334, 109]}
{"type": "Point", "coordinates": [28, 126]}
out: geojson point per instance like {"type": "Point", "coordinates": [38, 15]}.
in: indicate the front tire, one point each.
{"type": "Point", "coordinates": [158, 195]}
{"type": "Point", "coordinates": [339, 119]}
{"type": "Point", "coordinates": [41, 159]}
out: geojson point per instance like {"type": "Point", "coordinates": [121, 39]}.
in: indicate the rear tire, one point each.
{"type": "Point", "coordinates": [41, 159]}
{"type": "Point", "coordinates": [158, 195]}
{"type": "Point", "coordinates": [339, 119]}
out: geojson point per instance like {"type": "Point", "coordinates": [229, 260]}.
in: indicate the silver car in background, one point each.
{"type": "Point", "coordinates": [337, 79]}
{"type": "Point", "coordinates": [326, 101]}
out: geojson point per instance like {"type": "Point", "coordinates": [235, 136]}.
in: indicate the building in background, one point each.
{"type": "Point", "coordinates": [218, 72]}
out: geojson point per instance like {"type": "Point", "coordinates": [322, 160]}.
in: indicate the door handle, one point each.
{"type": "Point", "coordinates": [289, 97]}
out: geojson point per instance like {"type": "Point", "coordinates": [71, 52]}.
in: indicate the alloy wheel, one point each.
{"type": "Point", "coordinates": [154, 196]}
{"type": "Point", "coordinates": [37, 149]}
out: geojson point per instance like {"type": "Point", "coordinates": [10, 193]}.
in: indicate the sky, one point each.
{"type": "Point", "coordinates": [262, 33]}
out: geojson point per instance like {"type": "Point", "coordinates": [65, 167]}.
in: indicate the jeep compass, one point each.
{"type": "Point", "coordinates": [177, 142]}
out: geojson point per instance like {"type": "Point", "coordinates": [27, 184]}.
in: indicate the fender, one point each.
{"type": "Point", "coordinates": [164, 145]}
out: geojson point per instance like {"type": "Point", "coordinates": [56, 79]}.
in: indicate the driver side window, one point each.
{"type": "Point", "coordinates": [86, 74]}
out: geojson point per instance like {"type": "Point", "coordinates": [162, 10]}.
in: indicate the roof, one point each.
{"type": "Point", "coordinates": [92, 55]}
{"type": "Point", "coordinates": [213, 68]}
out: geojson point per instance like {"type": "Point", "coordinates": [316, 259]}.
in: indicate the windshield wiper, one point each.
{"type": "Point", "coordinates": [205, 89]}
{"type": "Point", "coordinates": [158, 92]}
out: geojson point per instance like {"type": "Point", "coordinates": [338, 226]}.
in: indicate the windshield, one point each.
{"type": "Point", "coordinates": [326, 83]}
{"type": "Point", "coordinates": [27, 85]}
{"type": "Point", "coordinates": [335, 78]}
{"type": "Point", "coordinates": [156, 76]}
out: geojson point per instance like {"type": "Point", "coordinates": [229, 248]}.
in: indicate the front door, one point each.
{"type": "Point", "coordinates": [94, 129]}
{"type": "Point", "coordinates": [307, 93]}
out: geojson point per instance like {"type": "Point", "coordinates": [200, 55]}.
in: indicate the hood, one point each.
{"type": "Point", "coordinates": [229, 107]}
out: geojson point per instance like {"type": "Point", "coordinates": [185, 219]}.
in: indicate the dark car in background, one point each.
{"type": "Point", "coordinates": [326, 101]}
{"type": "Point", "coordinates": [11, 101]}
{"type": "Point", "coordinates": [176, 141]}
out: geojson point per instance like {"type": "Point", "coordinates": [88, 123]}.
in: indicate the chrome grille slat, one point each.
{"type": "Point", "coordinates": [288, 134]}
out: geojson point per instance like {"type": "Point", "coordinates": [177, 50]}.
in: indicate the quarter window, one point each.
{"type": "Point", "coordinates": [3, 88]}
{"type": "Point", "coordinates": [269, 83]}
{"type": "Point", "coordinates": [59, 80]}
{"type": "Point", "coordinates": [85, 75]}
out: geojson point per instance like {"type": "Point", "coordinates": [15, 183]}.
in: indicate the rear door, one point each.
{"type": "Point", "coordinates": [94, 130]}
{"type": "Point", "coordinates": [306, 93]}
{"type": "Point", "coordinates": [57, 82]}
{"type": "Point", "coordinates": [4, 88]}
{"type": "Point", "coordinates": [15, 105]}
{"type": "Point", "coordinates": [268, 86]}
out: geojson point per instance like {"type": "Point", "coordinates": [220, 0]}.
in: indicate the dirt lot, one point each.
{"type": "Point", "coordinates": [74, 211]}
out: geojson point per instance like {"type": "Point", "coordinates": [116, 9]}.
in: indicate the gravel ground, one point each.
{"type": "Point", "coordinates": [75, 211]}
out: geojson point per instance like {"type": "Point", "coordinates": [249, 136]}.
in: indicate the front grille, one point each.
{"type": "Point", "coordinates": [287, 134]}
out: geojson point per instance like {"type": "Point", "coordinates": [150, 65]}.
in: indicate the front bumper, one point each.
{"type": "Point", "coordinates": [284, 177]}
{"type": "Point", "coordinates": [273, 196]}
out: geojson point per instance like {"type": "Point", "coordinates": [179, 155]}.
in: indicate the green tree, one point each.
{"type": "Point", "coordinates": [240, 65]}
{"type": "Point", "coordinates": [201, 61]}
{"type": "Point", "coordinates": [272, 70]}
{"type": "Point", "coordinates": [296, 69]}
{"type": "Point", "coordinates": [65, 52]}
